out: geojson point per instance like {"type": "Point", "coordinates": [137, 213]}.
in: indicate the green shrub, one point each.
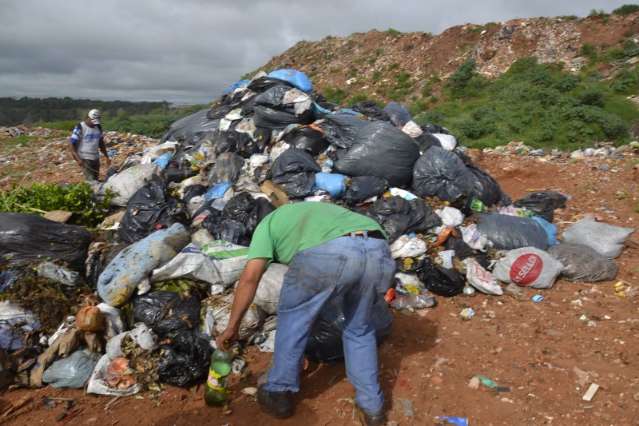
{"type": "Point", "coordinates": [626, 9]}
{"type": "Point", "coordinates": [589, 51]}
{"type": "Point", "coordinates": [393, 32]}
{"type": "Point", "coordinates": [540, 104]}
{"type": "Point", "coordinates": [626, 82]}
{"type": "Point", "coordinates": [43, 197]}
{"type": "Point", "coordinates": [335, 95]}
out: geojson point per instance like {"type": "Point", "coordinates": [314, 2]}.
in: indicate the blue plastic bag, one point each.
{"type": "Point", "coordinates": [452, 420]}
{"type": "Point", "coordinates": [236, 85]}
{"type": "Point", "coordinates": [163, 160]}
{"type": "Point", "coordinates": [333, 183]}
{"type": "Point", "coordinates": [549, 228]}
{"type": "Point", "coordinates": [294, 77]}
{"type": "Point", "coordinates": [134, 264]}
{"type": "Point", "coordinates": [71, 372]}
{"type": "Point", "coordinates": [217, 191]}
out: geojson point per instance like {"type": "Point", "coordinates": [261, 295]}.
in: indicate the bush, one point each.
{"type": "Point", "coordinates": [626, 82]}
{"type": "Point", "coordinates": [393, 32]}
{"type": "Point", "coordinates": [44, 197]}
{"type": "Point", "coordinates": [589, 51]}
{"type": "Point", "coordinates": [626, 9]}
{"type": "Point", "coordinates": [335, 95]}
{"type": "Point", "coordinates": [591, 96]}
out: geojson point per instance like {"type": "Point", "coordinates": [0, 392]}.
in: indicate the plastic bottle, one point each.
{"type": "Point", "coordinates": [413, 301]}
{"type": "Point", "coordinates": [215, 392]}
{"type": "Point", "coordinates": [477, 206]}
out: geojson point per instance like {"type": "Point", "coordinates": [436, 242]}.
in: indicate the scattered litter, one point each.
{"type": "Point", "coordinates": [590, 393]}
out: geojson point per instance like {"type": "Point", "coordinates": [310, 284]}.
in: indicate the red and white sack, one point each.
{"type": "Point", "coordinates": [528, 267]}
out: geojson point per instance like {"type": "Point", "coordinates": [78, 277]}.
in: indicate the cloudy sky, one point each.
{"type": "Point", "coordinates": [187, 51]}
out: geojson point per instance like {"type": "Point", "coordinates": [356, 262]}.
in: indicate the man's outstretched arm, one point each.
{"type": "Point", "coordinates": [244, 295]}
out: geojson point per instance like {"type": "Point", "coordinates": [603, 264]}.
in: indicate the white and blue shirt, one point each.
{"type": "Point", "coordinates": [86, 141]}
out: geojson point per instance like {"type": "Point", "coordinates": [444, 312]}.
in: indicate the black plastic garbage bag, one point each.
{"type": "Point", "coordinates": [177, 171]}
{"type": "Point", "coordinates": [25, 238]}
{"type": "Point", "coordinates": [464, 251]}
{"type": "Point", "coordinates": [192, 191]}
{"type": "Point", "coordinates": [340, 129]}
{"type": "Point", "coordinates": [325, 341]}
{"type": "Point", "coordinates": [443, 174]}
{"type": "Point", "coordinates": [380, 150]}
{"type": "Point", "coordinates": [512, 232]}
{"type": "Point", "coordinates": [441, 281]}
{"type": "Point", "coordinates": [399, 216]}
{"type": "Point", "coordinates": [486, 188]}
{"type": "Point", "coordinates": [148, 210]}
{"type": "Point", "coordinates": [276, 119]}
{"type": "Point", "coordinates": [426, 140]}
{"type": "Point", "coordinates": [262, 84]}
{"type": "Point", "coordinates": [294, 170]}
{"type": "Point", "coordinates": [398, 114]}
{"type": "Point", "coordinates": [371, 110]}
{"type": "Point", "coordinates": [307, 139]}
{"type": "Point", "coordinates": [237, 142]}
{"type": "Point", "coordinates": [237, 222]}
{"type": "Point", "coordinates": [184, 361]}
{"type": "Point", "coordinates": [543, 203]}
{"type": "Point", "coordinates": [192, 127]}
{"type": "Point", "coordinates": [167, 312]}
{"type": "Point", "coordinates": [362, 188]}
{"type": "Point", "coordinates": [217, 112]}
{"type": "Point", "coordinates": [582, 263]}
{"type": "Point", "coordinates": [227, 168]}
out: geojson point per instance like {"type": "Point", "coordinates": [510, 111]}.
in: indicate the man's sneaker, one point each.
{"type": "Point", "coordinates": [277, 404]}
{"type": "Point", "coordinates": [370, 419]}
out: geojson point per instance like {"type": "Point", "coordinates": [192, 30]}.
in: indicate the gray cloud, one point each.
{"type": "Point", "coordinates": [189, 50]}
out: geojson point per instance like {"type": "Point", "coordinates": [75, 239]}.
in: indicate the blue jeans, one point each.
{"type": "Point", "coordinates": [352, 269]}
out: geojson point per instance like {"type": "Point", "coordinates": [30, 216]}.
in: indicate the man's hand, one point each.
{"type": "Point", "coordinates": [244, 294]}
{"type": "Point", "coordinates": [228, 336]}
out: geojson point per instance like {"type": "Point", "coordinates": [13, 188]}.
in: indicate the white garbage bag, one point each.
{"type": "Point", "coordinates": [528, 267]}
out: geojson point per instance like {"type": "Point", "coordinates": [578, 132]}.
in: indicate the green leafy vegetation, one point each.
{"type": "Point", "coordinates": [335, 95]}
{"type": "Point", "coordinates": [393, 32]}
{"type": "Point", "coordinates": [540, 104]}
{"type": "Point", "coordinates": [626, 9]}
{"type": "Point", "coordinates": [44, 197]}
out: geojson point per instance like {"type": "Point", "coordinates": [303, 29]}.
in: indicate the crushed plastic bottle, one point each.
{"type": "Point", "coordinates": [413, 301]}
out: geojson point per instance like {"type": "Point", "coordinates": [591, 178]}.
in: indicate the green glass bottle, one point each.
{"type": "Point", "coordinates": [215, 392]}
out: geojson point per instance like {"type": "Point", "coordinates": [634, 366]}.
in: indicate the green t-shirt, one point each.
{"type": "Point", "coordinates": [299, 226]}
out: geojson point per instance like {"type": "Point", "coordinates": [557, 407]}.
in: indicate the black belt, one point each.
{"type": "Point", "coordinates": [370, 234]}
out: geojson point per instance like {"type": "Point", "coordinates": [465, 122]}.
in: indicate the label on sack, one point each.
{"type": "Point", "coordinates": [526, 269]}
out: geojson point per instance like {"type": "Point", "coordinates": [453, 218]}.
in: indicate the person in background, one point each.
{"type": "Point", "coordinates": [333, 254]}
{"type": "Point", "coordinates": [86, 144]}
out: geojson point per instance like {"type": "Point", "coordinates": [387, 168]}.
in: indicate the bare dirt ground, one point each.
{"type": "Point", "coordinates": [547, 353]}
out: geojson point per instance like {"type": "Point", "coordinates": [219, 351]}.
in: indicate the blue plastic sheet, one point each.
{"type": "Point", "coordinates": [236, 85]}
{"type": "Point", "coordinates": [294, 77]}
{"type": "Point", "coordinates": [217, 191]}
{"type": "Point", "coordinates": [549, 228]}
{"type": "Point", "coordinates": [333, 183]}
{"type": "Point", "coordinates": [452, 420]}
{"type": "Point", "coordinates": [163, 160]}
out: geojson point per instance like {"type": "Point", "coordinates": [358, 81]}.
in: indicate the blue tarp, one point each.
{"type": "Point", "coordinates": [294, 77]}
{"type": "Point", "coordinates": [236, 85]}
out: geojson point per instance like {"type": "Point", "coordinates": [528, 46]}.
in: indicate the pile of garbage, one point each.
{"type": "Point", "coordinates": [153, 285]}
{"type": "Point", "coordinates": [14, 132]}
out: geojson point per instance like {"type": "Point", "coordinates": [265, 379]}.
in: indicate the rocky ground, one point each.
{"type": "Point", "coordinates": [546, 353]}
